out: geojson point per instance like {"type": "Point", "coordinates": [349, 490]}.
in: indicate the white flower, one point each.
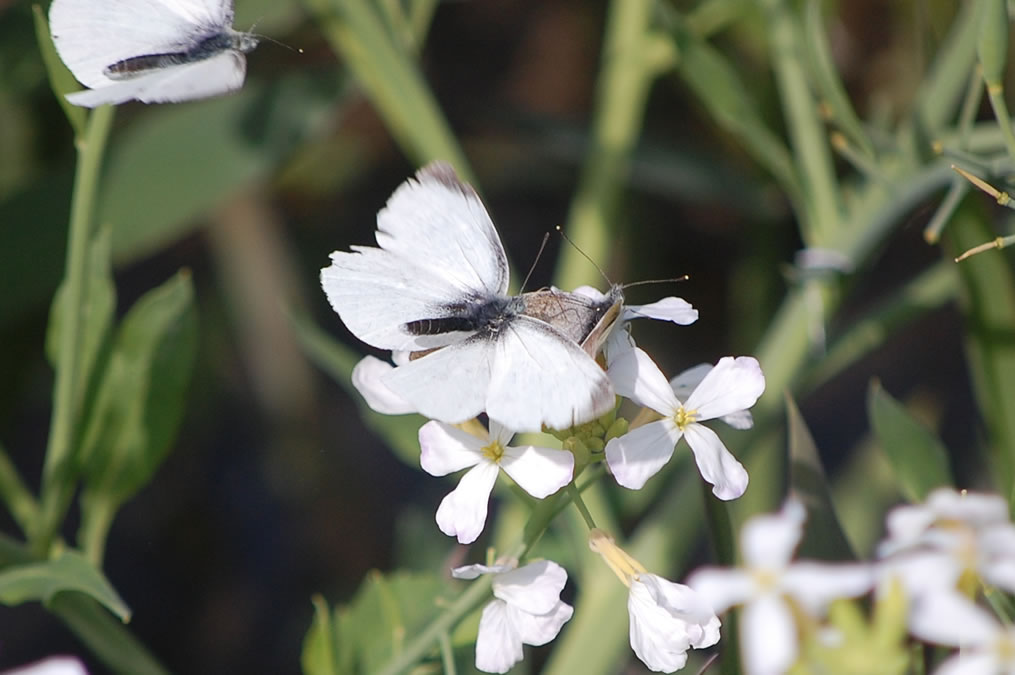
{"type": "Point", "coordinates": [666, 618]}
{"type": "Point", "coordinates": [367, 378]}
{"type": "Point", "coordinates": [54, 665]}
{"type": "Point", "coordinates": [445, 449]}
{"type": "Point", "coordinates": [987, 647]}
{"type": "Point", "coordinates": [729, 388]}
{"type": "Point", "coordinates": [931, 546]}
{"type": "Point", "coordinates": [768, 578]}
{"type": "Point", "coordinates": [526, 609]}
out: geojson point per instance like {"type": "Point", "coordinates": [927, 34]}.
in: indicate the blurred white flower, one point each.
{"type": "Point", "coordinates": [729, 388]}
{"type": "Point", "coordinates": [931, 547]}
{"type": "Point", "coordinates": [666, 618]}
{"type": "Point", "coordinates": [445, 449]}
{"type": "Point", "coordinates": [986, 646]}
{"type": "Point", "coordinates": [770, 586]}
{"type": "Point", "coordinates": [54, 665]}
{"type": "Point", "coordinates": [526, 609]}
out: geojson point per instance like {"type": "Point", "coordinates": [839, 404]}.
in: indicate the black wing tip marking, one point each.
{"type": "Point", "coordinates": [443, 173]}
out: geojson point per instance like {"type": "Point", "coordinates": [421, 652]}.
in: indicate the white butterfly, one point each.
{"type": "Point", "coordinates": [154, 51]}
{"type": "Point", "coordinates": [437, 287]}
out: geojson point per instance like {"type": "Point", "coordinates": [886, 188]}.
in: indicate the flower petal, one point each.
{"type": "Point", "coordinates": [716, 464]}
{"type": "Point", "coordinates": [685, 604]}
{"type": "Point", "coordinates": [658, 639]}
{"type": "Point", "coordinates": [635, 376]}
{"type": "Point", "coordinates": [538, 629]}
{"type": "Point", "coordinates": [768, 541]}
{"type": "Point", "coordinates": [366, 377]}
{"type": "Point", "coordinates": [462, 513]}
{"type": "Point", "coordinates": [723, 588]}
{"type": "Point", "coordinates": [498, 645]}
{"type": "Point", "coordinates": [768, 637]}
{"type": "Point", "coordinates": [687, 381]}
{"type": "Point", "coordinates": [733, 385]}
{"type": "Point", "coordinates": [950, 619]}
{"type": "Point", "coordinates": [968, 662]}
{"type": "Point", "coordinates": [641, 453]}
{"type": "Point", "coordinates": [814, 585]}
{"type": "Point", "coordinates": [534, 588]}
{"type": "Point", "coordinates": [446, 449]}
{"type": "Point", "coordinates": [538, 471]}
{"type": "Point", "coordinates": [672, 309]}
{"type": "Point", "coordinates": [475, 571]}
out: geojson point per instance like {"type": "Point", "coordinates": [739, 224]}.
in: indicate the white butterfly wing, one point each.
{"type": "Point", "coordinates": [439, 255]}
{"type": "Point", "coordinates": [210, 77]}
{"type": "Point", "coordinates": [91, 35]}
{"type": "Point", "coordinates": [526, 376]}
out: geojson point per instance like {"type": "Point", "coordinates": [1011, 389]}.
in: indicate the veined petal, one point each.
{"type": "Point", "coordinates": [498, 646]}
{"type": "Point", "coordinates": [640, 453]}
{"type": "Point", "coordinates": [733, 385]}
{"type": "Point", "coordinates": [683, 603]}
{"type": "Point", "coordinates": [538, 471]}
{"type": "Point", "coordinates": [500, 433]}
{"type": "Point", "coordinates": [462, 513]}
{"type": "Point", "coordinates": [768, 541]}
{"type": "Point", "coordinates": [814, 585]}
{"type": "Point", "coordinates": [366, 377]}
{"type": "Point", "coordinates": [636, 376]}
{"type": "Point", "coordinates": [723, 588]}
{"type": "Point", "coordinates": [687, 381]}
{"type": "Point", "coordinates": [950, 619]}
{"type": "Point", "coordinates": [534, 588]}
{"type": "Point", "coordinates": [658, 639]}
{"type": "Point", "coordinates": [768, 637]}
{"type": "Point", "coordinates": [716, 464]}
{"type": "Point", "coordinates": [672, 309]}
{"type": "Point", "coordinates": [446, 449]}
{"type": "Point", "coordinates": [538, 629]}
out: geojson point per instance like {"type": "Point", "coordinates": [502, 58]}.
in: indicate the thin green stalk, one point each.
{"type": "Point", "coordinates": [98, 512]}
{"type": "Point", "coordinates": [807, 133]}
{"type": "Point", "coordinates": [477, 591]}
{"type": "Point", "coordinates": [447, 655]}
{"type": "Point", "coordinates": [632, 59]}
{"type": "Point", "coordinates": [576, 499]}
{"type": "Point", "coordinates": [19, 500]}
{"type": "Point", "coordinates": [56, 485]}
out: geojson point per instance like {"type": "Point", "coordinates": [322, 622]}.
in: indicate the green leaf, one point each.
{"type": "Point", "coordinates": [142, 394]}
{"type": "Point", "coordinates": [100, 306]}
{"type": "Point", "coordinates": [400, 432]}
{"type": "Point", "coordinates": [71, 571]}
{"type": "Point", "coordinates": [918, 457]}
{"type": "Point", "coordinates": [60, 78]}
{"type": "Point", "coordinates": [320, 653]}
{"type": "Point", "coordinates": [824, 538]}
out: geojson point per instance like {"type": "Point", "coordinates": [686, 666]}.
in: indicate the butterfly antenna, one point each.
{"type": "Point", "coordinates": [566, 238]}
{"type": "Point", "coordinates": [685, 277]}
{"type": "Point", "coordinates": [532, 269]}
{"type": "Point", "coordinates": [298, 50]}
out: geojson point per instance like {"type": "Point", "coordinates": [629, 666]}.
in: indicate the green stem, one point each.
{"type": "Point", "coordinates": [576, 499]}
{"type": "Point", "coordinates": [629, 66]}
{"type": "Point", "coordinates": [20, 501]}
{"type": "Point", "coordinates": [56, 484]}
{"type": "Point", "coordinates": [98, 511]}
{"type": "Point", "coordinates": [477, 591]}
{"type": "Point", "coordinates": [995, 92]}
{"type": "Point", "coordinates": [807, 133]}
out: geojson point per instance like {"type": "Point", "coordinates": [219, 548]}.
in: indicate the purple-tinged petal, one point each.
{"type": "Point", "coordinates": [673, 309]}
{"type": "Point", "coordinates": [498, 645]}
{"type": "Point", "coordinates": [462, 513]}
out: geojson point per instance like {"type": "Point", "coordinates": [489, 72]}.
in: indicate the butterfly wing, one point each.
{"type": "Point", "coordinates": [439, 257]}
{"type": "Point", "coordinates": [216, 75]}
{"type": "Point", "coordinates": [92, 34]}
{"type": "Point", "coordinates": [584, 319]}
{"type": "Point", "coordinates": [526, 375]}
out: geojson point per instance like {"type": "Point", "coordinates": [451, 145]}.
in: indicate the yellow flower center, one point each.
{"type": "Point", "coordinates": [684, 417]}
{"type": "Point", "coordinates": [493, 452]}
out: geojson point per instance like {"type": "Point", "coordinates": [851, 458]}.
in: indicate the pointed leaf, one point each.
{"type": "Point", "coordinates": [141, 397]}
{"type": "Point", "coordinates": [320, 655]}
{"type": "Point", "coordinates": [60, 78]}
{"type": "Point", "coordinates": [919, 459]}
{"type": "Point", "coordinates": [824, 538]}
{"type": "Point", "coordinates": [69, 572]}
